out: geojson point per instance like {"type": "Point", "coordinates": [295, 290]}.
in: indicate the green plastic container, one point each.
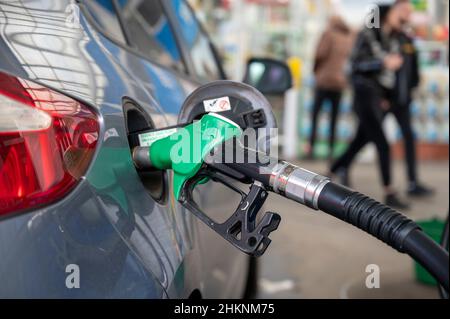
{"type": "Point", "coordinates": [433, 228]}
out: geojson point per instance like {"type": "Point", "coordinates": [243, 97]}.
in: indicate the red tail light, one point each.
{"type": "Point", "coordinates": [47, 141]}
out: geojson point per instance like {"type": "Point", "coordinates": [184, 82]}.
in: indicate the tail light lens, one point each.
{"type": "Point", "coordinates": [47, 141]}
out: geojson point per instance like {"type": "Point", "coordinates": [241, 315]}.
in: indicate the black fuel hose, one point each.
{"type": "Point", "coordinates": [318, 192]}
{"type": "Point", "coordinates": [387, 225]}
{"type": "Point", "coordinates": [430, 255]}
{"type": "Point", "coordinates": [444, 243]}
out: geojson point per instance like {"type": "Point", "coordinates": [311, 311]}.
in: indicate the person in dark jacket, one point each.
{"type": "Point", "coordinates": [407, 79]}
{"type": "Point", "coordinates": [332, 54]}
{"type": "Point", "coordinates": [375, 61]}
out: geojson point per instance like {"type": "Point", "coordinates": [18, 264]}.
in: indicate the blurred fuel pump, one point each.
{"type": "Point", "coordinates": [215, 148]}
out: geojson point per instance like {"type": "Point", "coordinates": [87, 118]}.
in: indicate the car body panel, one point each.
{"type": "Point", "coordinates": [126, 244]}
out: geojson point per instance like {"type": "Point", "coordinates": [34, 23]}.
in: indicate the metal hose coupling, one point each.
{"type": "Point", "coordinates": [297, 184]}
{"type": "Point", "coordinates": [141, 158]}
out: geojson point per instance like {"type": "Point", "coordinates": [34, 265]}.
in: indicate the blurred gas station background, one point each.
{"type": "Point", "coordinates": [312, 257]}
{"type": "Point", "coordinates": [289, 30]}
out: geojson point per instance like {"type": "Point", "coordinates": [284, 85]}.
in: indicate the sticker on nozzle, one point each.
{"type": "Point", "coordinates": [147, 139]}
{"type": "Point", "coordinates": [220, 104]}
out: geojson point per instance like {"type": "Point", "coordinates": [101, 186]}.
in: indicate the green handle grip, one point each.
{"type": "Point", "coordinates": [184, 151]}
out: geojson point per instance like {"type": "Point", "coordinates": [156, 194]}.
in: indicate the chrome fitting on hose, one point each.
{"type": "Point", "coordinates": [297, 184]}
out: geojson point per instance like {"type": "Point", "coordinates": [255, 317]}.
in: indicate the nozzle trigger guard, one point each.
{"type": "Point", "coordinates": [241, 229]}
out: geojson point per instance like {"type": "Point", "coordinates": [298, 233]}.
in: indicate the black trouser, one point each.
{"type": "Point", "coordinates": [367, 104]}
{"type": "Point", "coordinates": [321, 96]}
{"type": "Point", "coordinates": [403, 117]}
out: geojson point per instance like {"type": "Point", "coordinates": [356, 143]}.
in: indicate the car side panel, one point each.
{"type": "Point", "coordinates": [125, 243]}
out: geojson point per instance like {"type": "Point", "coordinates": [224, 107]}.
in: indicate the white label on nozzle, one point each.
{"type": "Point", "coordinates": [217, 105]}
{"type": "Point", "coordinates": [147, 139]}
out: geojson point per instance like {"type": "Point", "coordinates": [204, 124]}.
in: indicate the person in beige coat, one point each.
{"type": "Point", "coordinates": [331, 58]}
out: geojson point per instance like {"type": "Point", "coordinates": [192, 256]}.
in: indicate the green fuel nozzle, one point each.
{"type": "Point", "coordinates": [184, 150]}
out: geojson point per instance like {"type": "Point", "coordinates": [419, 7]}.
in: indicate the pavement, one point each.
{"type": "Point", "coordinates": [314, 255]}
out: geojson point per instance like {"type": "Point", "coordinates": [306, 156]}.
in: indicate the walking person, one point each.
{"type": "Point", "coordinates": [407, 79]}
{"type": "Point", "coordinates": [331, 57]}
{"type": "Point", "coordinates": [375, 61]}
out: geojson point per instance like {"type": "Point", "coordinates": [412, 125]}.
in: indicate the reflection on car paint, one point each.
{"type": "Point", "coordinates": [126, 244]}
